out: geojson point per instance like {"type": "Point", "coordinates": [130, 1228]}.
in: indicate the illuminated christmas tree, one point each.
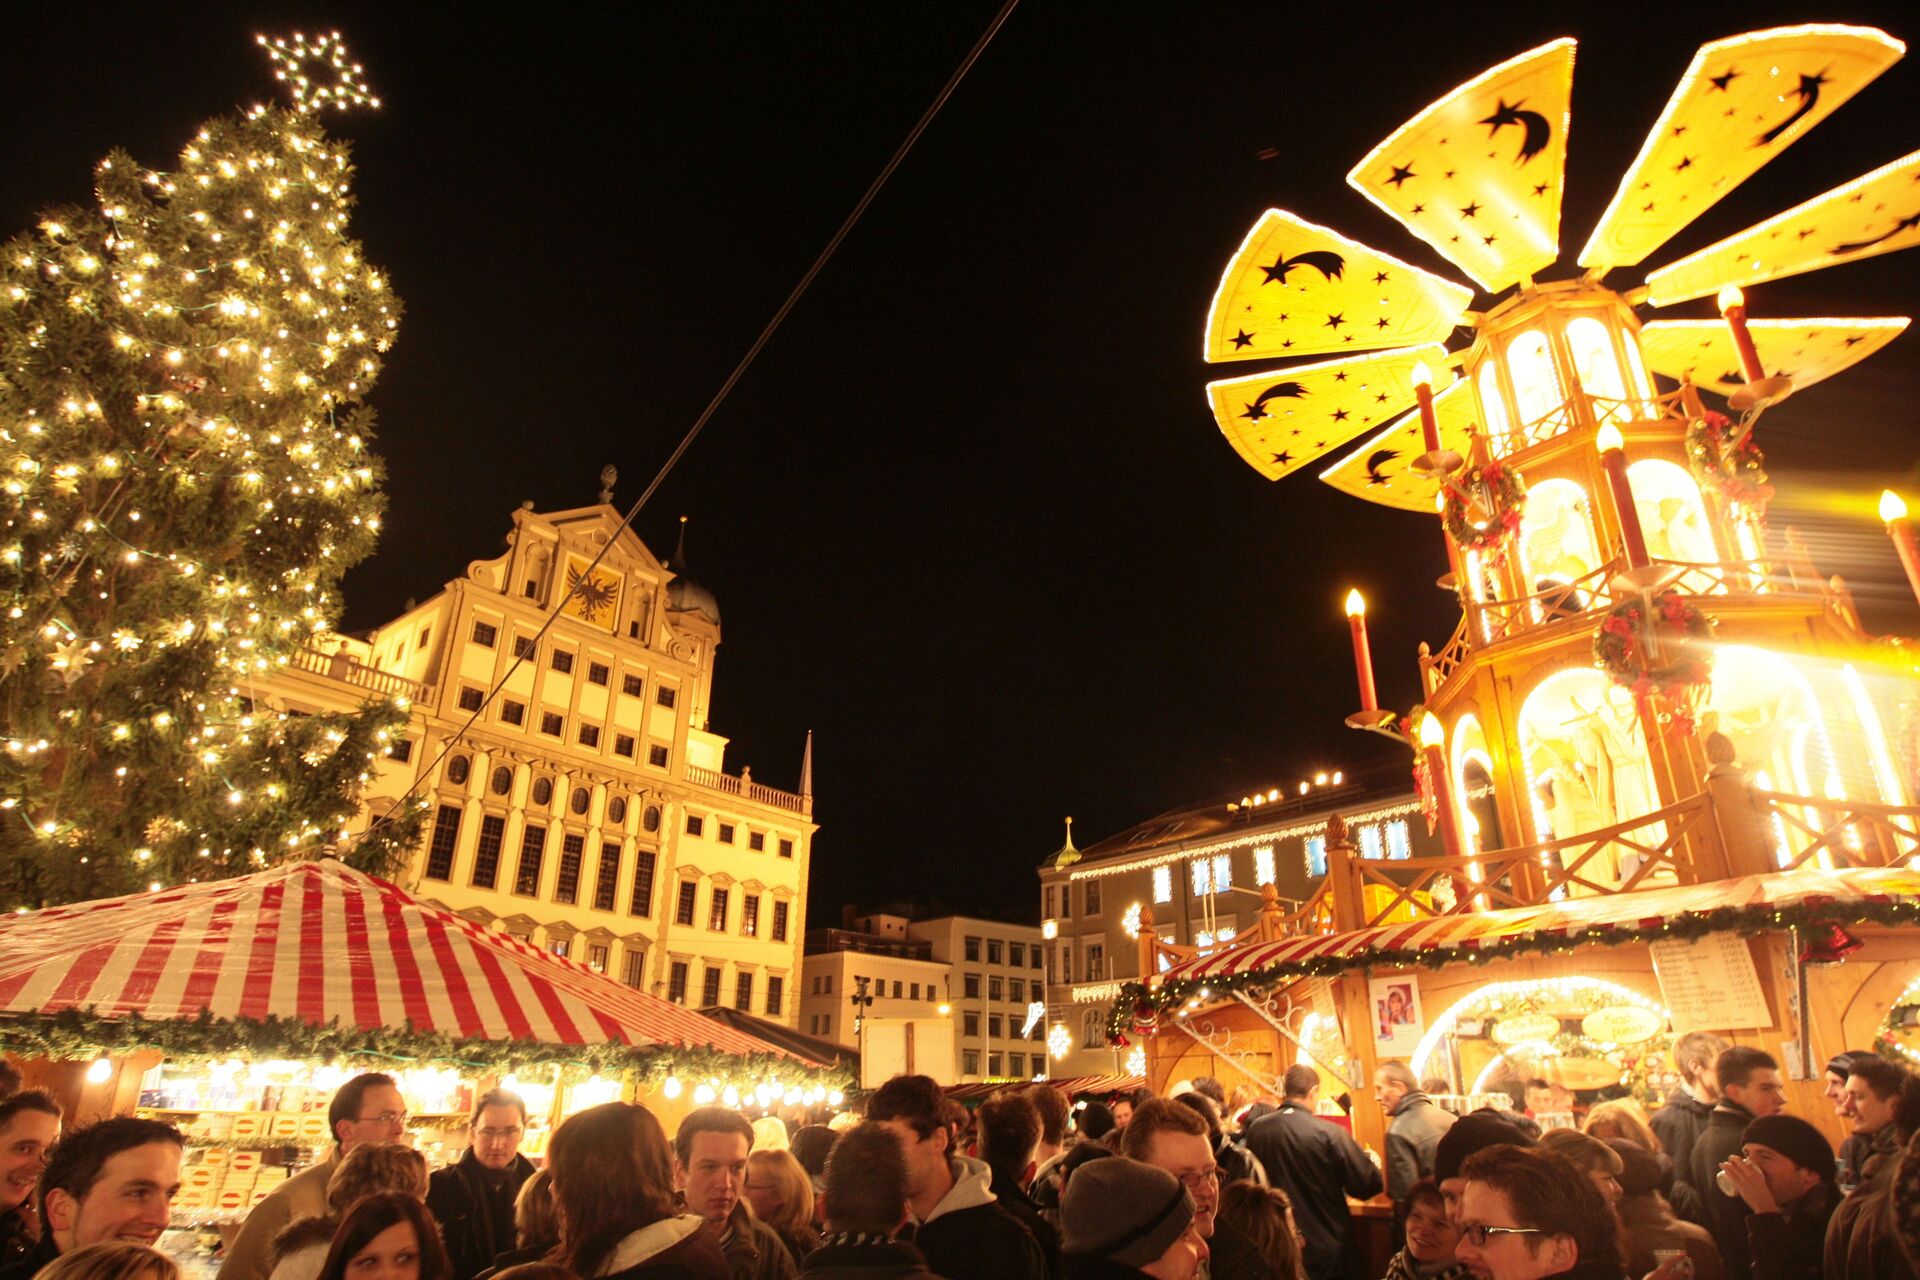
{"type": "Point", "coordinates": [187, 475]}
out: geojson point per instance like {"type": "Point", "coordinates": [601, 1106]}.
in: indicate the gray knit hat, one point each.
{"type": "Point", "coordinates": [1123, 1210]}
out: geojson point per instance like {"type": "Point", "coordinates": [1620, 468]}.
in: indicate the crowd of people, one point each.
{"type": "Point", "coordinates": [1719, 1183]}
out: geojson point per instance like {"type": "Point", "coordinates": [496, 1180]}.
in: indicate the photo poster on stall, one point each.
{"type": "Point", "coordinates": [1710, 983]}
{"type": "Point", "coordinates": [1397, 1021]}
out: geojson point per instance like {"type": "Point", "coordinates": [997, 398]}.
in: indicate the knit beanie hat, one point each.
{"type": "Point", "coordinates": [1470, 1133]}
{"type": "Point", "coordinates": [1123, 1210]}
{"type": "Point", "coordinates": [1795, 1139]}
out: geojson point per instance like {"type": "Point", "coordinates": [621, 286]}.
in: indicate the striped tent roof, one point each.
{"type": "Point", "coordinates": [1074, 1086]}
{"type": "Point", "coordinates": [1627, 913]}
{"type": "Point", "coordinates": [320, 942]}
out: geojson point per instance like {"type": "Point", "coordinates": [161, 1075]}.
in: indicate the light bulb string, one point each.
{"type": "Point", "coordinates": [456, 739]}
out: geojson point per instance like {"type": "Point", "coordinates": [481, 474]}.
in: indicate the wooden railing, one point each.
{"type": "Point", "coordinates": [1680, 404]}
{"type": "Point", "coordinates": [344, 667]}
{"type": "Point", "coordinates": [747, 788]}
{"type": "Point", "coordinates": [1838, 833]}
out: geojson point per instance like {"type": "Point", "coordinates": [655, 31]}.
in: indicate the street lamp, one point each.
{"type": "Point", "coordinates": [861, 1002]}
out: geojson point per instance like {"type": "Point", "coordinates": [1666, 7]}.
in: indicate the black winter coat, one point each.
{"type": "Point", "coordinates": [1318, 1166]}
{"type": "Point", "coordinates": [847, 1257]}
{"type": "Point", "coordinates": [1678, 1125]}
{"type": "Point", "coordinates": [475, 1222]}
{"type": "Point", "coordinates": [1726, 1215]}
{"type": "Point", "coordinates": [1792, 1245]}
{"type": "Point", "coordinates": [986, 1242]}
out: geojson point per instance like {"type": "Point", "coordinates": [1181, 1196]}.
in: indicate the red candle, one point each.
{"type": "Point", "coordinates": [1893, 511]}
{"type": "Point", "coordinates": [1733, 305]}
{"type": "Point", "coordinates": [1362, 655]}
{"type": "Point", "coordinates": [1613, 462]}
{"type": "Point", "coordinates": [1432, 738]}
{"type": "Point", "coordinates": [1423, 392]}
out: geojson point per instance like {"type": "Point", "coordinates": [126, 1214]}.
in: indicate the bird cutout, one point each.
{"type": "Point", "coordinates": [1291, 277]}
{"type": "Point", "coordinates": [1491, 209]}
{"type": "Point", "coordinates": [1327, 405]}
{"type": "Point", "coordinates": [1702, 352]}
{"type": "Point", "coordinates": [1741, 102]}
{"type": "Point", "coordinates": [1875, 213]}
{"type": "Point", "coordinates": [1381, 469]}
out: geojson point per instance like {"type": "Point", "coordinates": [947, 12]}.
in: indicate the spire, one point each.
{"type": "Point", "coordinates": [1066, 853]}
{"type": "Point", "coordinates": [679, 561]}
{"type": "Point", "coordinates": [608, 475]}
{"type": "Point", "coordinates": [806, 768]}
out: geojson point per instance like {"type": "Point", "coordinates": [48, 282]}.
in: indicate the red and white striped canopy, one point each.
{"type": "Point", "coordinates": [321, 942]}
{"type": "Point", "coordinates": [1643, 910]}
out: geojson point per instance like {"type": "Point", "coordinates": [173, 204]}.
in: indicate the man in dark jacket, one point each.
{"type": "Point", "coordinates": [1123, 1220]}
{"type": "Point", "coordinates": [1008, 1125]}
{"type": "Point", "coordinates": [1415, 1124]}
{"type": "Point", "coordinates": [1318, 1166]}
{"type": "Point", "coordinates": [964, 1231]}
{"type": "Point", "coordinates": [1861, 1243]}
{"type": "Point", "coordinates": [866, 1206]}
{"type": "Point", "coordinates": [1750, 1088]}
{"type": "Point", "coordinates": [1175, 1138]}
{"type": "Point", "coordinates": [472, 1200]}
{"type": "Point", "coordinates": [1680, 1122]}
{"type": "Point", "coordinates": [110, 1183]}
{"type": "Point", "coordinates": [710, 1160]}
{"type": "Point", "coordinates": [1785, 1178]}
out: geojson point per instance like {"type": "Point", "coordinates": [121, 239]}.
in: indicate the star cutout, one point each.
{"type": "Point", "coordinates": [1540, 189]}
{"type": "Point", "coordinates": [1381, 398]}
{"type": "Point", "coordinates": [1449, 175]}
{"type": "Point", "coordinates": [1283, 458]}
{"type": "Point", "coordinates": [1489, 240]}
{"type": "Point", "coordinates": [1241, 339]}
{"type": "Point", "coordinates": [1679, 129]}
{"type": "Point", "coordinates": [1419, 208]}
{"type": "Point", "coordinates": [1341, 376]}
{"type": "Point", "coordinates": [1379, 277]}
{"type": "Point", "coordinates": [1381, 323]}
{"type": "Point", "coordinates": [1401, 172]}
{"type": "Point", "coordinates": [1255, 412]}
{"type": "Point", "coordinates": [1339, 415]}
{"type": "Point", "coordinates": [1721, 82]}
{"type": "Point", "coordinates": [1856, 338]}
{"type": "Point", "coordinates": [1470, 210]}
{"type": "Point", "coordinates": [1686, 162]}
{"type": "Point", "coordinates": [1335, 320]}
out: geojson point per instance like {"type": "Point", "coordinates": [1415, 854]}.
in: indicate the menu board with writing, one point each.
{"type": "Point", "coordinates": [1710, 983]}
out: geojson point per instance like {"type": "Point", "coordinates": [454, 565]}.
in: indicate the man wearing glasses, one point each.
{"type": "Point", "coordinates": [1173, 1137]}
{"type": "Point", "coordinates": [473, 1199]}
{"type": "Point", "coordinates": [367, 1108]}
{"type": "Point", "coordinates": [1526, 1214]}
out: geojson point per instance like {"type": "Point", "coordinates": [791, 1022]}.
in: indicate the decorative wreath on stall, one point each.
{"type": "Point", "coordinates": [1653, 647]}
{"type": "Point", "coordinates": [1483, 506]}
{"type": "Point", "coordinates": [1725, 459]}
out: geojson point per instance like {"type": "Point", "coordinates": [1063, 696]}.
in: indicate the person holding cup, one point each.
{"type": "Point", "coordinates": [1785, 1176]}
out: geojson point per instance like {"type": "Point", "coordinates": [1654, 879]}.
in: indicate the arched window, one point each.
{"type": "Point", "coordinates": [1638, 367]}
{"type": "Point", "coordinates": [1556, 538]}
{"type": "Point", "coordinates": [1493, 406]}
{"type": "Point", "coordinates": [1584, 756]}
{"type": "Point", "coordinates": [1536, 383]}
{"type": "Point", "coordinates": [502, 780]}
{"type": "Point", "coordinates": [1672, 515]}
{"type": "Point", "coordinates": [1591, 345]}
{"type": "Point", "coordinates": [1472, 781]}
{"type": "Point", "coordinates": [1770, 713]}
{"type": "Point", "coordinates": [458, 769]}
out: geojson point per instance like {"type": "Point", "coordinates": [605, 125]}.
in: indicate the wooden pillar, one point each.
{"type": "Point", "coordinates": [1344, 887]}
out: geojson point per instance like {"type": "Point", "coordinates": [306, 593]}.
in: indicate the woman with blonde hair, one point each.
{"type": "Point", "coordinates": [116, 1260]}
{"type": "Point", "coordinates": [368, 1169]}
{"type": "Point", "coordinates": [536, 1227]}
{"type": "Point", "coordinates": [1621, 1118]}
{"type": "Point", "coordinates": [770, 1134]}
{"type": "Point", "coordinates": [781, 1194]}
{"type": "Point", "coordinates": [613, 1193]}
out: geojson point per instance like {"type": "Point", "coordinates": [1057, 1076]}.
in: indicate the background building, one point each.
{"type": "Point", "coordinates": [585, 808]}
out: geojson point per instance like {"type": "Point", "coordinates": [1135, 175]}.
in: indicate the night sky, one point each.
{"type": "Point", "coordinates": [968, 517]}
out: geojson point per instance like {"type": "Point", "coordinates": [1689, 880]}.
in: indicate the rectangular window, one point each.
{"type": "Point", "coordinates": [1202, 873]}
{"type": "Point", "coordinates": [446, 836]}
{"type": "Point", "coordinates": [717, 911]}
{"type": "Point", "coordinates": [524, 647]}
{"type": "Point", "coordinates": [566, 885]}
{"type": "Point", "coordinates": [914, 989]}
{"type": "Point", "coordinates": [683, 909]}
{"type": "Point", "coordinates": [1046, 902]}
{"type": "Point", "coordinates": [710, 987]}
{"type": "Point", "coordinates": [471, 698]}
{"type": "Point", "coordinates": [597, 957]}
{"type": "Point", "coordinates": [1163, 884]}
{"type": "Point", "coordinates": [1399, 843]}
{"type": "Point", "coordinates": [1034, 955]}
{"type": "Point", "coordinates": [1316, 855]}
{"type": "Point", "coordinates": [779, 922]}
{"type": "Point", "coordinates": [623, 745]}
{"type": "Point", "coordinates": [533, 848]}
{"type": "Point", "coordinates": [1263, 864]}
{"type": "Point", "coordinates": [826, 1024]}
{"type": "Point", "coordinates": [750, 915]}
{"type": "Point", "coordinates": [786, 848]}
{"type": "Point", "coordinates": [1066, 962]}
{"type": "Point", "coordinates": [1017, 954]}
{"type": "Point", "coordinates": [1222, 872]}
{"type": "Point", "coordinates": [972, 946]}
{"type": "Point", "coordinates": [641, 903]}
{"type": "Point", "coordinates": [589, 735]}
{"type": "Point", "coordinates": [632, 685]}
{"type": "Point", "coordinates": [1093, 898]}
{"type": "Point", "coordinates": [970, 1062]}
{"type": "Point", "coordinates": [562, 661]}
{"type": "Point", "coordinates": [560, 946]}
{"type": "Point", "coordinates": [657, 757]}
{"type": "Point", "coordinates": [513, 712]}
{"type": "Point", "coordinates": [635, 973]}
{"type": "Point", "coordinates": [996, 954]}
{"type": "Point", "coordinates": [829, 982]}
{"type": "Point", "coordinates": [486, 853]}
{"type": "Point", "coordinates": [1017, 1063]}
{"type": "Point", "coordinates": [996, 990]}
{"type": "Point", "coordinates": [757, 841]}
{"type": "Point", "coordinates": [552, 722]}
{"type": "Point", "coordinates": [776, 994]}
{"type": "Point", "coordinates": [995, 1028]}
{"type": "Point", "coordinates": [1096, 962]}
{"type": "Point", "coordinates": [677, 982]}
{"type": "Point", "coordinates": [896, 988]}
{"type": "Point", "coordinates": [485, 634]}
{"type": "Point", "coordinates": [597, 673]}
{"type": "Point", "coordinates": [726, 833]}
{"type": "Point", "coordinates": [696, 825]}
{"type": "Point", "coordinates": [1017, 990]}
{"type": "Point", "coordinates": [665, 695]}
{"type": "Point", "coordinates": [606, 880]}
{"type": "Point", "coordinates": [1371, 845]}
{"type": "Point", "coordinates": [993, 1062]}
{"type": "Point", "coordinates": [743, 992]}
{"type": "Point", "coordinates": [970, 1025]}
{"type": "Point", "coordinates": [400, 749]}
{"type": "Point", "coordinates": [971, 986]}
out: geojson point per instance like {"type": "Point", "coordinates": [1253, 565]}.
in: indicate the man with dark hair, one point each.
{"type": "Point", "coordinates": [1211, 1089]}
{"type": "Point", "coordinates": [1680, 1122]}
{"type": "Point", "coordinates": [1124, 1104]}
{"type": "Point", "coordinates": [1051, 1106]}
{"type": "Point", "coordinates": [1853, 1151]}
{"type": "Point", "coordinates": [1007, 1128]}
{"type": "Point", "coordinates": [1414, 1128]}
{"type": "Point", "coordinates": [1750, 1088]}
{"type": "Point", "coordinates": [29, 1126]}
{"type": "Point", "coordinates": [866, 1205]}
{"type": "Point", "coordinates": [710, 1161]}
{"type": "Point", "coordinates": [109, 1183]}
{"type": "Point", "coordinates": [1861, 1244]}
{"type": "Point", "coordinates": [963, 1230]}
{"type": "Point", "coordinates": [367, 1108]}
{"type": "Point", "coordinates": [1526, 1214]}
{"type": "Point", "coordinates": [1171, 1136]}
{"type": "Point", "coordinates": [1318, 1166]}
{"type": "Point", "coordinates": [1472, 1133]}
{"type": "Point", "coordinates": [473, 1199]}
{"type": "Point", "coordinates": [1785, 1178]}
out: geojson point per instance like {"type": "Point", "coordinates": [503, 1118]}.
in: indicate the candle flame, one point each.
{"type": "Point", "coordinates": [1892, 506]}
{"type": "Point", "coordinates": [1731, 297]}
{"type": "Point", "coordinates": [1356, 604]}
{"type": "Point", "coordinates": [1432, 732]}
{"type": "Point", "coordinates": [1422, 376]}
{"type": "Point", "coordinates": [1608, 439]}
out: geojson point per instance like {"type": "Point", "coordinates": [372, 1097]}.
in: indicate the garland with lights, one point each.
{"type": "Point", "coordinates": [1904, 1015]}
{"type": "Point", "coordinates": [1652, 646]}
{"type": "Point", "coordinates": [1728, 462]}
{"type": "Point", "coordinates": [1483, 506]}
{"type": "Point", "coordinates": [185, 474]}
{"type": "Point", "coordinates": [76, 1034]}
{"type": "Point", "coordinates": [1138, 1007]}
{"type": "Point", "coordinates": [1636, 1062]}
